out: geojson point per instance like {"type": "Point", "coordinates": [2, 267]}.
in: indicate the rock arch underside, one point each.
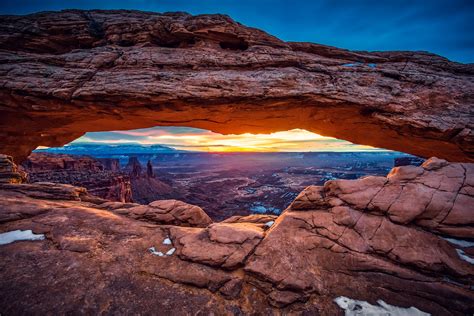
{"type": "Point", "coordinates": [406, 238]}
{"type": "Point", "coordinates": [64, 74]}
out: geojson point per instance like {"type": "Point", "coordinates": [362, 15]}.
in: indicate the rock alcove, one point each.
{"type": "Point", "coordinates": [404, 239]}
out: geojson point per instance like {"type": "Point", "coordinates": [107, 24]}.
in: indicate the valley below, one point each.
{"type": "Point", "coordinates": [223, 184]}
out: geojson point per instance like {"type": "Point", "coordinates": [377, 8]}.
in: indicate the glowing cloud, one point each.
{"type": "Point", "coordinates": [202, 140]}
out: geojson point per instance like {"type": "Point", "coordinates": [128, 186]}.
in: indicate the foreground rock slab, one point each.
{"type": "Point", "coordinates": [171, 212]}
{"type": "Point", "coordinates": [379, 237]}
{"type": "Point", "coordinates": [66, 73]}
{"type": "Point", "coordinates": [376, 244]}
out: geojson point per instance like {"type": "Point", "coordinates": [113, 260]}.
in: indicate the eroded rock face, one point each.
{"type": "Point", "coordinates": [220, 244]}
{"type": "Point", "coordinates": [145, 187]}
{"type": "Point", "coordinates": [102, 178]}
{"type": "Point", "coordinates": [66, 73]}
{"type": "Point", "coordinates": [382, 234]}
{"type": "Point", "coordinates": [9, 172]}
{"type": "Point", "coordinates": [38, 162]}
{"type": "Point", "coordinates": [339, 243]}
{"type": "Point", "coordinates": [171, 212]}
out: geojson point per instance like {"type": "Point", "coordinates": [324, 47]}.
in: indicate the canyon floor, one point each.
{"type": "Point", "coordinates": [223, 184]}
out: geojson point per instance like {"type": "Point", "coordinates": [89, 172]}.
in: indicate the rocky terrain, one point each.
{"type": "Point", "coordinates": [145, 186]}
{"type": "Point", "coordinates": [222, 184]}
{"type": "Point", "coordinates": [399, 242]}
{"type": "Point", "coordinates": [247, 183]}
{"type": "Point", "coordinates": [102, 177]}
{"type": "Point", "coordinates": [396, 244]}
{"type": "Point", "coordinates": [66, 73]}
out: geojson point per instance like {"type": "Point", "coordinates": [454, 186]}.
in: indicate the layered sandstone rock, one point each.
{"type": "Point", "coordinates": [51, 191]}
{"type": "Point", "coordinates": [220, 245]}
{"type": "Point", "coordinates": [9, 172]}
{"type": "Point", "coordinates": [145, 187]}
{"type": "Point", "coordinates": [254, 218]}
{"type": "Point", "coordinates": [171, 212]}
{"type": "Point", "coordinates": [376, 238]}
{"type": "Point", "coordinates": [379, 237]}
{"type": "Point", "coordinates": [110, 164]}
{"type": "Point", "coordinates": [66, 73]}
{"type": "Point", "coordinates": [38, 162]}
{"type": "Point", "coordinates": [104, 181]}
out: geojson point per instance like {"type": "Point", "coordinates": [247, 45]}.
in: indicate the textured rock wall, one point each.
{"type": "Point", "coordinates": [66, 73]}
{"type": "Point", "coordinates": [104, 181]}
{"type": "Point", "coordinates": [9, 172]}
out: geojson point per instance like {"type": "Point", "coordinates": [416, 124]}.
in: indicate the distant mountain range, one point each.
{"type": "Point", "coordinates": [98, 149]}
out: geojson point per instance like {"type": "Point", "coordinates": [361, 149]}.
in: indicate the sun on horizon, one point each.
{"type": "Point", "coordinates": [194, 139]}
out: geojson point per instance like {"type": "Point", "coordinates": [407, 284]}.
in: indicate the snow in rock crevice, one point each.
{"type": "Point", "coordinates": [460, 242]}
{"type": "Point", "coordinates": [153, 251]}
{"type": "Point", "coordinates": [270, 223]}
{"type": "Point", "coordinates": [17, 235]}
{"type": "Point", "coordinates": [464, 244]}
{"type": "Point", "coordinates": [360, 308]}
{"type": "Point", "coordinates": [464, 256]}
{"type": "Point", "coordinates": [167, 241]}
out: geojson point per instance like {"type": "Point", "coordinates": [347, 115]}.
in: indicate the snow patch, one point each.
{"type": "Point", "coordinates": [464, 256]}
{"type": "Point", "coordinates": [351, 64]}
{"type": "Point", "coordinates": [460, 242]}
{"type": "Point", "coordinates": [171, 251]}
{"type": "Point", "coordinates": [371, 65]}
{"type": "Point", "coordinates": [14, 235]}
{"type": "Point", "coordinates": [258, 207]}
{"type": "Point", "coordinates": [359, 308]}
{"type": "Point", "coordinates": [270, 223]}
{"type": "Point", "coordinates": [153, 251]}
{"type": "Point", "coordinates": [167, 241]}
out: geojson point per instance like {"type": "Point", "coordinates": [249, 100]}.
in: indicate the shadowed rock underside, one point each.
{"type": "Point", "coordinates": [66, 73]}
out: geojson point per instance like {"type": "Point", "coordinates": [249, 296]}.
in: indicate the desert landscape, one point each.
{"type": "Point", "coordinates": [241, 183]}
{"type": "Point", "coordinates": [106, 228]}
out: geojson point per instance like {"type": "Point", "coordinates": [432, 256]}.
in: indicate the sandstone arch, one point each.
{"type": "Point", "coordinates": [64, 74]}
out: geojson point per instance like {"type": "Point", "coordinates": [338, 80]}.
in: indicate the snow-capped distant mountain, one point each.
{"type": "Point", "coordinates": [97, 149]}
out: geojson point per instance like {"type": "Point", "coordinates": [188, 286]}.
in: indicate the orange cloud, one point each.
{"type": "Point", "coordinates": [203, 140]}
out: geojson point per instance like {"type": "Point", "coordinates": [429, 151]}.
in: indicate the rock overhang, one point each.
{"type": "Point", "coordinates": [70, 72]}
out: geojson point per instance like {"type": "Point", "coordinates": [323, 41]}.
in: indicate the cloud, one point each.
{"type": "Point", "coordinates": [204, 140]}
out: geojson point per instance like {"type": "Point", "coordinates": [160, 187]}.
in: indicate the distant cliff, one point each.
{"type": "Point", "coordinates": [102, 178]}
{"type": "Point", "coordinates": [145, 187]}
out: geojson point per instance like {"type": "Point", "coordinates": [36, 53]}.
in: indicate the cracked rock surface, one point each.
{"type": "Point", "coordinates": [377, 238]}
{"type": "Point", "coordinates": [170, 212]}
{"type": "Point", "coordinates": [66, 73]}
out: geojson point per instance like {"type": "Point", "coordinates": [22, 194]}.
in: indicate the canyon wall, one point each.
{"type": "Point", "coordinates": [66, 73]}
{"type": "Point", "coordinates": [100, 177]}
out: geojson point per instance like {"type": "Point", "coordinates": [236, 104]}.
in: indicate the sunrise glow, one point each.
{"type": "Point", "coordinates": [194, 139]}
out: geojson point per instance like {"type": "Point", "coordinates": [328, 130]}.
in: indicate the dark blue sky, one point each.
{"type": "Point", "coordinates": [442, 27]}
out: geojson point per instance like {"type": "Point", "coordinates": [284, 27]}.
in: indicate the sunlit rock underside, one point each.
{"type": "Point", "coordinates": [66, 73]}
{"type": "Point", "coordinates": [399, 244]}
